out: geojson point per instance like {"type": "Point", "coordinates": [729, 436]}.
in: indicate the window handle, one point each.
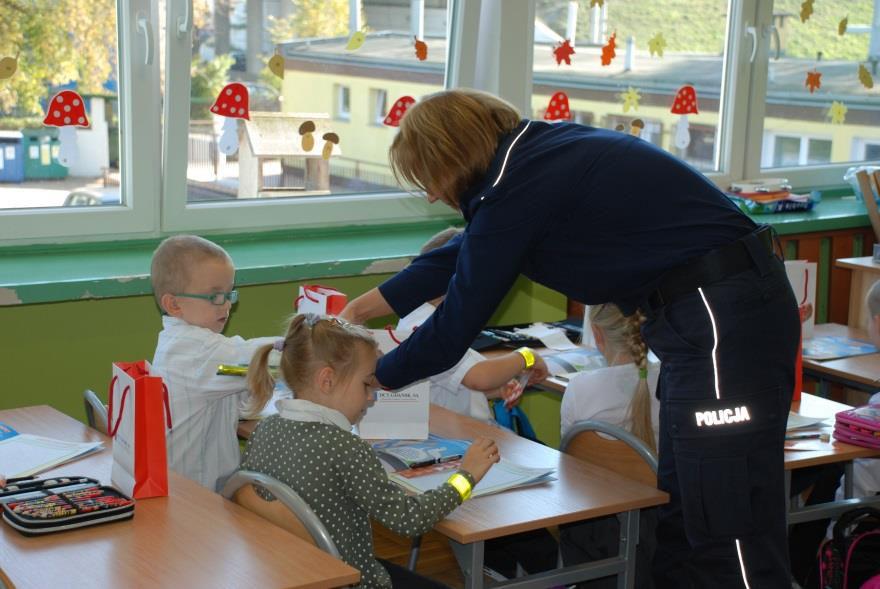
{"type": "Point", "coordinates": [771, 29]}
{"type": "Point", "coordinates": [752, 32]}
{"type": "Point", "coordinates": [145, 27]}
{"type": "Point", "coordinates": [184, 23]}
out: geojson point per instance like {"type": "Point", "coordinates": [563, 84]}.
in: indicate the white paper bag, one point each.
{"type": "Point", "coordinates": [802, 276]}
{"type": "Point", "coordinates": [321, 300]}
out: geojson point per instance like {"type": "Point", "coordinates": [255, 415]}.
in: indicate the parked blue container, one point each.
{"type": "Point", "coordinates": [11, 157]}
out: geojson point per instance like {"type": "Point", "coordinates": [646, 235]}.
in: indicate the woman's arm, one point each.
{"type": "Point", "coordinates": [368, 306]}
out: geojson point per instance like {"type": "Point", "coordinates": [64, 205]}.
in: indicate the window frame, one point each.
{"type": "Point", "coordinates": [343, 110]}
{"type": "Point", "coordinates": [137, 216]}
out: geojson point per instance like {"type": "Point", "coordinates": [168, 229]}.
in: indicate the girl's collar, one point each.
{"type": "Point", "coordinates": [307, 411]}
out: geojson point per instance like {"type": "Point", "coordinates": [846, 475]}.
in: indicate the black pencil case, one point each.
{"type": "Point", "coordinates": [36, 507]}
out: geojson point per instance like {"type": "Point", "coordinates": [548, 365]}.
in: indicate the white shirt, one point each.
{"type": "Point", "coordinates": [205, 407]}
{"type": "Point", "coordinates": [446, 387]}
{"type": "Point", "coordinates": [604, 394]}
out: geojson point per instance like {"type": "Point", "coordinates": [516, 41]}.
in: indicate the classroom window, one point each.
{"type": "Point", "coordinates": [343, 102]}
{"type": "Point", "coordinates": [816, 85]}
{"type": "Point", "coordinates": [613, 73]}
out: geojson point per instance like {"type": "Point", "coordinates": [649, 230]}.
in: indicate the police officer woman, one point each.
{"type": "Point", "coordinates": [603, 216]}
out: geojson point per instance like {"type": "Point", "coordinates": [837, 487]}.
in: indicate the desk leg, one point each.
{"type": "Point", "coordinates": [629, 541]}
{"type": "Point", "coordinates": [470, 559]}
{"type": "Point", "coordinates": [848, 479]}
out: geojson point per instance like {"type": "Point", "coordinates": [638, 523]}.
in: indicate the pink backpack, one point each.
{"type": "Point", "coordinates": [859, 426]}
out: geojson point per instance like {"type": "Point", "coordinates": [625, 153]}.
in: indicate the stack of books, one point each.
{"type": "Point", "coordinates": [770, 195]}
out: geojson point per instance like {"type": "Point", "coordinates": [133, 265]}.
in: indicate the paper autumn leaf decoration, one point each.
{"type": "Point", "coordinates": [657, 44]}
{"type": "Point", "coordinates": [8, 65]}
{"type": "Point", "coordinates": [806, 10]}
{"type": "Point", "coordinates": [563, 52]}
{"type": "Point", "coordinates": [841, 26]}
{"type": "Point", "coordinates": [421, 49]}
{"type": "Point", "coordinates": [837, 112]}
{"type": "Point", "coordinates": [599, 3]}
{"type": "Point", "coordinates": [608, 52]}
{"type": "Point", "coordinates": [630, 99]}
{"type": "Point", "coordinates": [814, 81]}
{"type": "Point", "coordinates": [865, 77]}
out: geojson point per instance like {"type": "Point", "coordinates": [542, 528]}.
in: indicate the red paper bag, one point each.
{"type": "Point", "coordinates": [321, 300]}
{"type": "Point", "coordinates": [136, 420]}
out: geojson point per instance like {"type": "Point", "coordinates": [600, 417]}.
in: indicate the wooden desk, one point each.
{"type": "Point", "coordinates": [828, 452]}
{"type": "Point", "coordinates": [857, 372]}
{"type": "Point", "coordinates": [582, 491]}
{"type": "Point", "coordinates": [864, 273]}
{"type": "Point", "coordinates": [192, 538]}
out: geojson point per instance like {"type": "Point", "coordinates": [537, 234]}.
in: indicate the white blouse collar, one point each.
{"type": "Point", "coordinates": [302, 410]}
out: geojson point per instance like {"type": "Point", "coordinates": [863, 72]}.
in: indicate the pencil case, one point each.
{"type": "Point", "coordinates": [856, 438]}
{"type": "Point", "coordinates": [36, 507]}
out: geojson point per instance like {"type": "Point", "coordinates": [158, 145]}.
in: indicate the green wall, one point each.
{"type": "Point", "coordinates": [52, 352]}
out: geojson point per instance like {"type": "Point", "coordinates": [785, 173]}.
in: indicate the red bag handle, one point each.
{"type": "Point", "coordinates": [393, 337]}
{"type": "Point", "coordinates": [113, 428]}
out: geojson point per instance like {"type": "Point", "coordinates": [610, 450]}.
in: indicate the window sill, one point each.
{"type": "Point", "coordinates": [45, 274]}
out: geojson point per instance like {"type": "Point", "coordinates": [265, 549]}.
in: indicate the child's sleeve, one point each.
{"type": "Point", "coordinates": [366, 483]}
{"type": "Point", "coordinates": [451, 379]}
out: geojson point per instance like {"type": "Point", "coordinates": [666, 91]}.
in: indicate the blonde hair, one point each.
{"type": "Point", "coordinates": [447, 141]}
{"type": "Point", "coordinates": [311, 343]}
{"type": "Point", "coordinates": [440, 239]}
{"type": "Point", "coordinates": [175, 260]}
{"type": "Point", "coordinates": [624, 334]}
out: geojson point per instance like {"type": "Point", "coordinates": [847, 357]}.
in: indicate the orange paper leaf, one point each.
{"type": "Point", "coordinates": [814, 81]}
{"type": "Point", "coordinates": [608, 52]}
{"type": "Point", "coordinates": [421, 49]}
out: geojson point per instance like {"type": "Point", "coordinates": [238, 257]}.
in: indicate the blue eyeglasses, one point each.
{"type": "Point", "coordinates": [216, 298]}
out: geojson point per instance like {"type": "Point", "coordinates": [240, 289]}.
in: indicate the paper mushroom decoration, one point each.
{"type": "Point", "coordinates": [392, 119]}
{"type": "Point", "coordinates": [232, 103]}
{"type": "Point", "coordinates": [306, 131]}
{"type": "Point", "coordinates": [330, 139]}
{"type": "Point", "coordinates": [557, 109]}
{"type": "Point", "coordinates": [66, 111]}
{"type": "Point", "coordinates": [685, 104]}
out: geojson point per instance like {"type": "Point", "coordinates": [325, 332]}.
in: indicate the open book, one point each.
{"type": "Point", "coordinates": [23, 455]}
{"type": "Point", "coordinates": [403, 454]}
{"type": "Point", "coordinates": [502, 476]}
{"type": "Point", "coordinates": [829, 347]}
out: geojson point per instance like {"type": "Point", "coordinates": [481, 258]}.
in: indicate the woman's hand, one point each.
{"type": "Point", "coordinates": [482, 454]}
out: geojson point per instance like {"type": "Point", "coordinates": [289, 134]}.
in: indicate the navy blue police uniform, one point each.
{"type": "Point", "coordinates": [602, 216]}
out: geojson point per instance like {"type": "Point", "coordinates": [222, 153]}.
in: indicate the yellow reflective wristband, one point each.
{"type": "Point", "coordinates": [462, 485]}
{"type": "Point", "coordinates": [528, 355]}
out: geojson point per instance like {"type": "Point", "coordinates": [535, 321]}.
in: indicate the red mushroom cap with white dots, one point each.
{"type": "Point", "coordinates": [685, 101]}
{"type": "Point", "coordinates": [232, 102]}
{"type": "Point", "coordinates": [398, 110]}
{"type": "Point", "coordinates": [66, 109]}
{"type": "Point", "coordinates": [558, 109]}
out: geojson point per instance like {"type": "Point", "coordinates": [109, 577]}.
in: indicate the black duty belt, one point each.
{"type": "Point", "coordinates": [718, 264]}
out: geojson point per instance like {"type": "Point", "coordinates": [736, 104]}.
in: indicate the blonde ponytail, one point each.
{"type": "Point", "coordinates": [260, 382]}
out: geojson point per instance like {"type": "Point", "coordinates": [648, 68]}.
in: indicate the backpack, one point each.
{"type": "Point", "coordinates": [515, 420]}
{"type": "Point", "coordinates": [850, 559]}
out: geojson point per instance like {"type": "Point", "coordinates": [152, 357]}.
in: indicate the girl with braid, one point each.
{"type": "Point", "coordinates": [623, 392]}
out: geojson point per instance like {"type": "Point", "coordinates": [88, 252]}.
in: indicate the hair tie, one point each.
{"type": "Point", "coordinates": [279, 345]}
{"type": "Point", "coordinates": [643, 373]}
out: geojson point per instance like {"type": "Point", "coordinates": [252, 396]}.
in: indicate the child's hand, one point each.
{"type": "Point", "coordinates": [512, 392]}
{"type": "Point", "coordinates": [539, 370]}
{"type": "Point", "coordinates": [482, 454]}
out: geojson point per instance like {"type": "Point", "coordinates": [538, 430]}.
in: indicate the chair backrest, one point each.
{"type": "Point", "coordinates": [625, 454]}
{"type": "Point", "coordinates": [289, 511]}
{"type": "Point", "coordinates": [96, 411]}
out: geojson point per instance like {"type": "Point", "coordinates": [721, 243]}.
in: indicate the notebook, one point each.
{"type": "Point", "coordinates": [502, 476]}
{"type": "Point", "coordinates": [23, 455]}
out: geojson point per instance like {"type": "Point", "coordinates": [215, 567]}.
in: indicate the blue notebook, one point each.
{"type": "Point", "coordinates": [6, 432]}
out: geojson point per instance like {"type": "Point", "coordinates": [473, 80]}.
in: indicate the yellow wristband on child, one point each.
{"type": "Point", "coordinates": [460, 483]}
{"type": "Point", "coordinates": [528, 355]}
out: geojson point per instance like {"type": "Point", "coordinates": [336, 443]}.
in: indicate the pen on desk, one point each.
{"type": "Point", "coordinates": [433, 461]}
{"type": "Point", "coordinates": [823, 437]}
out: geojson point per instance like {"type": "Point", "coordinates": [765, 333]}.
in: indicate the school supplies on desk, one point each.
{"type": "Point", "coordinates": [829, 347]}
{"type": "Point", "coordinates": [23, 455]}
{"type": "Point", "coordinates": [403, 454]}
{"type": "Point", "coordinates": [859, 426]}
{"type": "Point", "coordinates": [6, 432]}
{"type": "Point", "coordinates": [502, 476]}
{"type": "Point", "coordinates": [39, 507]}
{"type": "Point", "coordinates": [571, 361]}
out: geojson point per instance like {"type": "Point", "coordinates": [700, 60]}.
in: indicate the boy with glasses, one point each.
{"type": "Point", "coordinates": [193, 281]}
